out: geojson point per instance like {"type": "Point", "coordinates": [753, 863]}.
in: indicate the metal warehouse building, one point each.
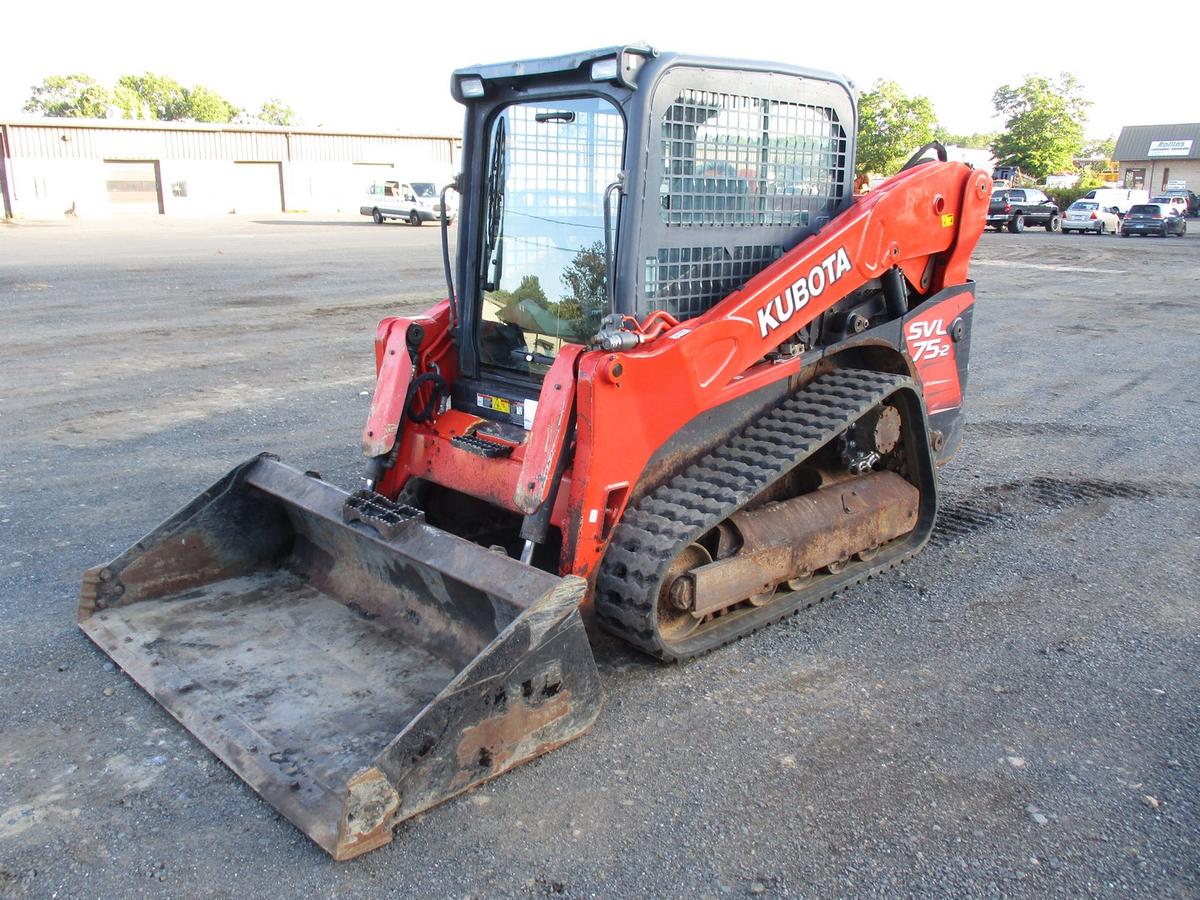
{"type": "Point", "coordinates": [1159, 157]}
{"type": "Point", "coordinates": [102, 167]}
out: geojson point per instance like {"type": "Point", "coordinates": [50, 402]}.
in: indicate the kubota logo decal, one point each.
{"type": "Point", "coordinates": [928, 340]}
{"type": "Point", "coordinates": [778, 310]}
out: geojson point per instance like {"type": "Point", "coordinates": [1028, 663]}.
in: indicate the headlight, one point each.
{"type": "Point", "coordinates": [604, 69]}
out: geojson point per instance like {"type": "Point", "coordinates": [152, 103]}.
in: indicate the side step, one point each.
{"type": "Point", "coordinates": [351, 678]}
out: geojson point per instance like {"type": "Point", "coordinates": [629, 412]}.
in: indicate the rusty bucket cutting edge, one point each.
{"type": "Point", "coordinates": [353, 681]}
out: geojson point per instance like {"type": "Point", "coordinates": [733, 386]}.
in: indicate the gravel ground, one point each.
{"type": "Point", "coordinates": [1012, 713]}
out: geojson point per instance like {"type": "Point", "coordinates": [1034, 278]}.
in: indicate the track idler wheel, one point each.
{"type": "Point", "coordinates": [678, 593]}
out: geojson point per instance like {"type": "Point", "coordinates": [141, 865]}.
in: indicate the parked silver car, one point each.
{"type": "Point", "coordinates": [1089, 215]}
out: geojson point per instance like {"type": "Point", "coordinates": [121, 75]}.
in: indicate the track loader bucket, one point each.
{"type": "Point", "coordinates": [353, 679]}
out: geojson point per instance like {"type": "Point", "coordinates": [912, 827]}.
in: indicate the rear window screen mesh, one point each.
{"type": "Point", "coordinates": [734, 160]}
{"type": "Point", "coordinates": [686, 281]}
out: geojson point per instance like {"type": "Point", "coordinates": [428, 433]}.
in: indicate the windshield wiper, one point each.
{"type": "Point", "coordinates": [495, 218]}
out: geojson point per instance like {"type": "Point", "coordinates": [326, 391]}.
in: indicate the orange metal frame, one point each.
{"type": "Point", "coordinates": [926, 221]}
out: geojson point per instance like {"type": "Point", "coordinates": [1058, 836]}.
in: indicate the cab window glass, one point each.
{"type": "Point", "coordinates": [544, 278]}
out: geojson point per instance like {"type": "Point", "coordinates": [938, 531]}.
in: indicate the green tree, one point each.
{"type": "Point", "coordinates": [1043, 124]}
{"type": "Point", "coordinates": [74, 96]}
{"type": "Point", "coordinates": [892, 126]}
{"type": "Point", "coordinates": [978, 140]}
{"type": "Point", "coordinates": [128, 103]}
{"type": "Point", "coordinates": [530, 288]}
{"type": "Point", "coordinates": [151, 96]}
{"type": "Point", "coordinates": [584, 280]}
{"type": "Point", "coordinates": [1097, 149]}
{"type": "Point", "coordinates": [276, 112]}
{"type": "Point", "coordinates": [1096, 159]}
{"type": "Point", "coordinates": [206, 105]}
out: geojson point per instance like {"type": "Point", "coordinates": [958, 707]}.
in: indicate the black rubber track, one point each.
{"type": "Point", "coordinates": [653, 532]}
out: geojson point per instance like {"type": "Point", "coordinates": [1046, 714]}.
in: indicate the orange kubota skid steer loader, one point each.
{"type": "Point", "coordinates": [682, 375]}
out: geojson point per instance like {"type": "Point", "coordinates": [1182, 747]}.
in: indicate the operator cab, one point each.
{"type": "Point", "coordinates": [624, 181]}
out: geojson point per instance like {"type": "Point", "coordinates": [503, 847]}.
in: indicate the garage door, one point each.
{"type": "Point", "coordinates": [132, 186]}
{"type": "Point", "coordinates": [257, 188]}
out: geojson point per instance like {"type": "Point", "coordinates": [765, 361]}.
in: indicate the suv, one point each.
{"type": "Point", "coordinates": [1015, 208]}
{"type": "Point", "coordinates": [1184, 201]}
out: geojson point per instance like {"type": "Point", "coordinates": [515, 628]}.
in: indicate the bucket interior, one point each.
{"type": "Point", "coordinates": [325, 686]}
{"type": "Point", "coordinates": [296, 646]}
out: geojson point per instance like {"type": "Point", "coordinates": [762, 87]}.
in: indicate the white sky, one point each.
{"type": "Point", "coordinates": [386, 66]}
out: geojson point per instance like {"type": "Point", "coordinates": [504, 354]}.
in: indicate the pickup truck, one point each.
{"type": "Point", "coordinates": [1017, 208]}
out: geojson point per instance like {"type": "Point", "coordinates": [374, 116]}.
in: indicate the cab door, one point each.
{"type": "Point", "coordinates": [408, 198]}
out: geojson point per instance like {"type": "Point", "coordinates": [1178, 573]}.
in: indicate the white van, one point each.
{"type": "Point", "coordinates": [416, 202]}
{"type": "Point", "coordinates": [1119, 198]}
